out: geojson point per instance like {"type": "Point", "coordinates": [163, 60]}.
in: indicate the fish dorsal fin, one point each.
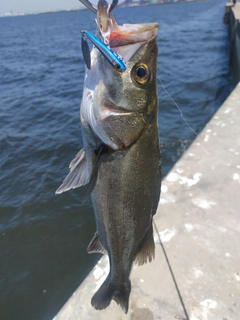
{"type": "Point", "coordinates": [96, 245]}
{"type": "Point", "coordinates": [78, 175]}
{"type": "Point", "coordinates": [147, 250]}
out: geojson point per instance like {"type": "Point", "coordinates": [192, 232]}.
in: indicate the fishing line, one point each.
{"type": "Point", "coordinates": [155, 226]}
{"type": "Point", "coordinates": [181, 113]}
{"type": "Point", "coordinates": [170, 269]}
{"type": "Point", "coordinates": [179, 109]}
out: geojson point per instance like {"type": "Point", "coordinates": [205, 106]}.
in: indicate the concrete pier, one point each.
{"type": "Point", "coordinates": [236, 11]}
{"type": "Point", "coordinates": [198, 220]}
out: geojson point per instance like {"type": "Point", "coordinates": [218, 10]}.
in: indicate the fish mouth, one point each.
{"type": "Point", "coordinates": [132, 33]}
{"type": "Point", "coordinates": [127, 34]}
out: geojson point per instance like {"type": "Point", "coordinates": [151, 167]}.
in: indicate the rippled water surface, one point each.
{"type": "Point", "coordinates": [43, 236]}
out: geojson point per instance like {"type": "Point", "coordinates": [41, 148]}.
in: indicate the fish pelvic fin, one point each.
{"type": "Point", "coordinates": [147, 249]}
{"type": "Point", "coordinates": [78, 175]}
{"type": "Point", "coordinates": [110, 291]}
{"type": "Point", "coordinates": [96, 245]}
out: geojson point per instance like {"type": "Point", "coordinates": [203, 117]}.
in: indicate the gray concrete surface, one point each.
{"type": "Point", "coordinates": [236, 11]}
{"type": "Point", "coordinates": [198, 220]}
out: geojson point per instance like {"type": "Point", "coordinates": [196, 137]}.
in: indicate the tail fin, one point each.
{"type": "Point", "coordinates": [108, 291]}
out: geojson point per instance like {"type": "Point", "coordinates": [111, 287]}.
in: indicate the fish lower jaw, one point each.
{"type": "Point", "coordinates": [106, 111]}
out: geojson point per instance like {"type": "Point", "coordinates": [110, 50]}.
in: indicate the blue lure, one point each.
{"type": "Point", "coordinates": [112, 57]}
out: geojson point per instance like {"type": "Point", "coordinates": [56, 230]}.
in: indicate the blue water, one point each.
{"type": "Point", "coordinates": [43, 236]}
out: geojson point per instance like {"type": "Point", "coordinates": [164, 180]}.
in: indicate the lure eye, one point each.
{"type": "Point", "coordinates": [141, 73]}
{"type": "Point", "coordinates": [117, 66]}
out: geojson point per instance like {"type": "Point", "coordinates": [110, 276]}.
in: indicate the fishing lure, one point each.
{"type": "Point", "coordinates": [112, 57]}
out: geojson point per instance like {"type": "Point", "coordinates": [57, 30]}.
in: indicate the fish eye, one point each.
{"type": "Point", "coordinates": [141, 73]}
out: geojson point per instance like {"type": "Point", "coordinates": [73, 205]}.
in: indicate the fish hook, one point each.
{"type": "Point", "coordinates": [91, 7]}
{"type": "Point", "coordinates": [113, 5]}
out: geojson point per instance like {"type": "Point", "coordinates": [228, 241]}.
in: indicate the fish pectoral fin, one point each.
{"type": "Point", "coordinates": [94, 174]}
{"type": "Point", "coordinates": [78, 175]}
{"type": "Point", "coordinates": [147, 250]}
{"type": "Point", "coordinates": [96, 245]}
{"type": "Point", "coordinates": [78, 158]}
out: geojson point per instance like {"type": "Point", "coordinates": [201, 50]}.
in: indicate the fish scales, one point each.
{"type": "Point", "coordinates": [123, 204]}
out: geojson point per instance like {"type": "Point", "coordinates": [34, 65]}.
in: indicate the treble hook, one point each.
{"type": "Point", "coordinates": [113, 5]}
{"type": "Point", "coordinates": [91, 7]}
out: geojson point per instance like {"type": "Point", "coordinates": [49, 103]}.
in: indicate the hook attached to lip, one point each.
{"type": "Point", "coordinates": [112, 57]}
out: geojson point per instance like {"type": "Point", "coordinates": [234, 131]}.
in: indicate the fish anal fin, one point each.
{"type": "Point", "coordinates": [147, 250]}
{"type": "Point", "coordinates": [96, 245]}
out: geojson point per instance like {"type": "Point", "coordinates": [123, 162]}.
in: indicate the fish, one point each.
{"type": "Point", "coordinates": [120, 162]}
